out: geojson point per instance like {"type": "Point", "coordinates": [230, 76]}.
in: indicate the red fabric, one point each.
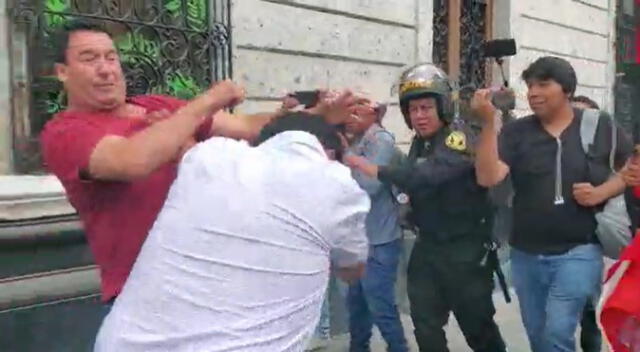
{"type": "Point", "coordinates": [116, 215]}
{"type": "Point", "coordinates": [624, 302]}
{"type": "Point", "coordinates": [622, 305]}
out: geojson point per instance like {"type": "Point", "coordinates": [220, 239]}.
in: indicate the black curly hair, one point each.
{"type": "Point", "coordinates": [327, 134]}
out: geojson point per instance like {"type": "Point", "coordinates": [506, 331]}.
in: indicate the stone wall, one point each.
{"type": "Point", "coordinates": [5, 97]}
{"type": "Point", "coordinates": [287, 45]}
{"type": "Point", "coordinates": [580, 31]}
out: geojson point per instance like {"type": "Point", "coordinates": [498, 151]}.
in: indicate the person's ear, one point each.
{"type": "Point", "coordinates": [61, 72]}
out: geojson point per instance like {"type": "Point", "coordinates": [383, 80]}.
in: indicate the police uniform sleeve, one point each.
{"type": "Point", "coordinates": [448, 161]}
{"type": "Point", "coordinates": [379, 150]}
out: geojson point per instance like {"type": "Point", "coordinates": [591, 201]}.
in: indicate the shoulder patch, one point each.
{"type": "Point", "coordinates": [457, 141]}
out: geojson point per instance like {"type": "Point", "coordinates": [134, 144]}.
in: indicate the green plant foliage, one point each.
{"type": "Point", "coordinates": [55, 102]}
{"type": "Point", "coordinates": [196, 11]}
{"type": "Point", "coordinates": [52, 10]}
{"type": "Point", "coordinates": [174, 7]}
{"type": "Point", "coordinates": [182, 86]}
{"type": "Point", "coordinates": [133, 45]}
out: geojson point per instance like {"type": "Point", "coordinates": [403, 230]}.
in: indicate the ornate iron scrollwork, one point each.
{"type": "Point", "coordinates": [440, 32]}
{"type": "Point", "coordinates": [166, 46]}
{"type": "Point", "coordinates": [627, 88]}
{"type": "Point", "coordinates": [472, 36]}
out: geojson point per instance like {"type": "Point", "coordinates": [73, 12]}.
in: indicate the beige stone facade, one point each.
{"type": "Point", "coordinates": [285, 45]}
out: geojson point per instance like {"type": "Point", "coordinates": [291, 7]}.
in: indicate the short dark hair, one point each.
{"type": "Point", "coordinates": [585, 100]}
{"type": "Point", "coordinates": [316, 125]}
{"type": "Point", "coordinates": [553, 68]}
{"type": "Point", "coordinates": [61, 36]}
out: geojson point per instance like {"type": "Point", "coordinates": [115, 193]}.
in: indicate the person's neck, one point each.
{"type": "Point", "coordinates": [123, 110]}
{"type": "Point", "coordinates": [557, 122]}
{"type": "Point", "coordinates": [358, 136]}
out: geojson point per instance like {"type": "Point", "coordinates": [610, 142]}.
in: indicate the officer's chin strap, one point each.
{"type": "Point", "coordinates": [491, 257]}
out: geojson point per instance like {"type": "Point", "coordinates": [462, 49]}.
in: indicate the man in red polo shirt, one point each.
{"type": "Point", "coordinates": [117, 157]}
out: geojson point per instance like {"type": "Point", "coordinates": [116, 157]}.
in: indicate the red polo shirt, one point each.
{"type": "Point", "coordinates": [116, 215]}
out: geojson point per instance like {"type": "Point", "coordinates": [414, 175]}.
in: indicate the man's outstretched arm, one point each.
{"type": "Point", "coordinates": [241, 126]}
{"type": "Point", "coordinates": [334, 108]}
{"type": "Point", "coordinates": [119, 158]}
{"type": "Point", "coordinates": [490, 170]}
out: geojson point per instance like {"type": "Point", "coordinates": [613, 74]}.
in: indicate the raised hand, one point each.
{"type": "Point", "coordinates": [289, 102]}
{"type": "Point", "coordinates": [482, 106]}
{"type": "Point", "coordinates": [228, 93]}
{"type": "Point", "coordinates": [631, 172]}
{"type": "Point", "coordinates": [587, 195]}
{"type": "Point", "coordinates": [361, 164]}
{"type": "Point", "coordinates": [337, 107]}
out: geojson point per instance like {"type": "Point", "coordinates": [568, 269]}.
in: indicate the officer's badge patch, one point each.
{"type": "Point", "coordinates": [457, 141]}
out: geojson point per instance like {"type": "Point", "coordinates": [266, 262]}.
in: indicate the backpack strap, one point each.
{"type": "Point", "coordinates": [588, 127]}
{"type": "Point", "coordinates": [614, 145]}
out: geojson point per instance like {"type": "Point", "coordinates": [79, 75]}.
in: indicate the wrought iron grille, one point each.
{"type": "Point", "coordinates": [174, 47]}
{"type": "Point", "coordinates": [626, 31]}
{"type": "Point", "coordinates": [627, 87]}
{"type": "Point", "coordinates": [472, 36]}
{"type": "Point", "coordinates": [441, 33]}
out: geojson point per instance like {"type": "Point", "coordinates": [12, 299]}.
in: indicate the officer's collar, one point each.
{"type": "Point", "coordinates": [440, 134]}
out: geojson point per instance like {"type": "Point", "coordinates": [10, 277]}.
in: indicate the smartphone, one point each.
{"type": "Point", "coordinates": [308, 98]}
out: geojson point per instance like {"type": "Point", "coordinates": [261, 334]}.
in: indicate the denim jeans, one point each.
{"type": "Point", "coordinates": [103, 310]}
{"type": "Point", "coordinates": [552, 291]}
{"type": "Point", "coordinates": [371, 301]}
{"type": "Point", "coordinates": [323, 329]}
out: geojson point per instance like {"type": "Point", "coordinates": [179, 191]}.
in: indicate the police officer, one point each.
{"type": "Point", "coordinates": [449, 268]}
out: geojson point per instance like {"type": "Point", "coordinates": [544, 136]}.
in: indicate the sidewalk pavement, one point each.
{"type": "Point", "coordinates": [507, 317]}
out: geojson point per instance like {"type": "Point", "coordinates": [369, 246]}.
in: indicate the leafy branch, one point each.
{"type": "Point", "coordinates": [196, 11]}
{"type": "Point", "coordinates": [133, 45]}
{"type": "Point", "coordinates": [182, 86]}
{"type": "Point", "coordinates": [54, 10]}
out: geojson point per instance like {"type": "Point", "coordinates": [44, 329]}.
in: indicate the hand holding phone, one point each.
{"type": "Point", "coordinates": [308, 98]}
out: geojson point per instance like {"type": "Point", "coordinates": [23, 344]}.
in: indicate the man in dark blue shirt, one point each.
{"type": "Point", "coordinates": [556, 259]}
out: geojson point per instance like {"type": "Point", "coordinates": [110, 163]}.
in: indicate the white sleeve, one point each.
{"type": "Point", "coordinates": [349, 245]}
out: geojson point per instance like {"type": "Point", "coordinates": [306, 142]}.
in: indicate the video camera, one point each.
{"type": "Point", "coordinates": [498, 49]}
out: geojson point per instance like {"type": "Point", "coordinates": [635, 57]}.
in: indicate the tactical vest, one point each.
{"type": "Point", "coordinates": [453, 210]}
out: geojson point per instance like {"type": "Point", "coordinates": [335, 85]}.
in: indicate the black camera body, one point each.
{"type": "Point", "coordinates": [499, 48]}
{"type": "Point", "coordinates": [504, 99]}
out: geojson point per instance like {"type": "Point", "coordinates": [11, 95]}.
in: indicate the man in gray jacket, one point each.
{"type": "Point", "coordinates": [371, 300]}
